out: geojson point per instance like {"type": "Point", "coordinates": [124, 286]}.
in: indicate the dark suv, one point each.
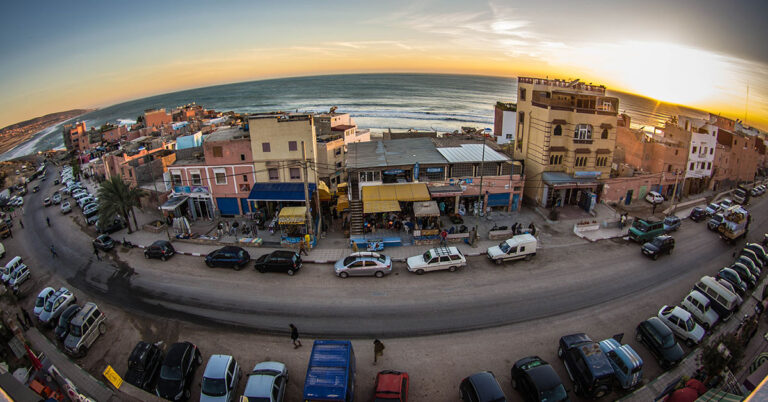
{"type": "Point", "coordinates": [586, 364]}
{"type": "Point", "coordinates": [178, 371]}
{"type": "Point", "coordinates": [698, 214]}
{"type": "Point", "coordinates": [659, 245]}
{"type": "Point", "coordinates": [143, 365]}
{"type": "Point", "coordinates": [279, 261]}
{"type": "Point", "coordinates": [660, 341]}
{"type": "Point", "coordinates": [537, 381]}
{"type": "Point", "coordinates": [161, 249]}
{"type": "Point", "coordinates": [228, 257]}
{"type": "Point", "coordinates": [481, 387]}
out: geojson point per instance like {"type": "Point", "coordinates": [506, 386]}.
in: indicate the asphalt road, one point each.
{"type": "Point", "coordinates": [482, 295]}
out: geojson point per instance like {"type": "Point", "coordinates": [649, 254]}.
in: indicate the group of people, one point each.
{"type": "Point", "coordinates": [387, 221]}
{"type": "Point", "coordinates": [232, 229]}
{"type": "Point", "coordinates": [378, 346]}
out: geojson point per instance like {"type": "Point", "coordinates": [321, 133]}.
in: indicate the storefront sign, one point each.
{"type": "Point", "coordinates": [586, 174]}
{"type": "Point", "coordinates": [435, 170]}
{"type": "Point", "coordinates": [393, 171]}
{"type": "Point", "coordinates": [199, 190]}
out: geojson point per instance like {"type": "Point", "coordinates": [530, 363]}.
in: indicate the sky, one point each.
{"type": "Point", "coordinates": [55, 56]}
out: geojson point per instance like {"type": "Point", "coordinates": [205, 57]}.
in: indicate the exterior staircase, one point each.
{"type": "Point", "coordinates": [355, 217]}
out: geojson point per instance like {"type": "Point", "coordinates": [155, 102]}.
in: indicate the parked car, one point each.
{"type": "Point", "coordinates": [220, 379]}
{"type": "Point", "coordinates": [518, 247]}
{"type": "Point", "coordinates": [267, 382]}
{"type": "Point", "coordinates": [161, 249]}
{"type": "Point", "coordinates": [671, 223]}
{"type": "Point", "coordinates": [436, 259]}
{"type": "Point", "coordinates": [35, 189]}
{"type": "Point", "coordinates": [698, 214]}
{"type": "Point", "coordinates": [654, 198]}
{"type": "Point", "coordinates": [85, 328]}
{"type": "Point", "coordinates": [47, 202]}
{"type": "Point", "coordinates": [700, 308]}
{"type": "Point", "coordinates": [177, 372]}
{"type": "Point", "coordinates": [682, 324]}
{"type": "Point", "coordinates": [627, 364]}
{"type": "Point", "coordinates": [90, 209]}
{"type": "Point", "coordinates": [587, 365]}
{"type": "Point", "coordinates": [144, 365]}
{"type": "Point", "coordinates": [56, 198]}
{"type": "Point", "coordinates": [746, 252]}
{"type": "Point", "coordinates": [279, 261]}
{"type": "Point", "coordinates": [715, 221]}
{"type": "Point", "coordinates": [363, 263]}
{"type": "Point", "coordinates": [759, 250]}
{"type": "Point", "coordinates": [537, 381]}
{"type": "Point", "coordinates": [228, 257]}
{"type": "Point", "coordinates": [481, 387]}
{"type": "Point", "coordinates": [660, 245]}
{"type": "Point", "coordinates": [110, 226]}
{"type": "Point", "coordinates": [643, 231]}
{"type": "Point", "coordinates": [62, 329]}
{"type": "Point", "coordinates": [391, 386]}
{"type": "Point", "coordinates": [724, 204]}
{"type": "Point", "coordinates": [92, 219]}
{"type": "Point", "coordinates": [734, 279]}
{"type": "Point", "coordinates": [747, 262]}
{"type": "Point", "coordinates": [712, 209]}
{"type": "Point", "coordinates": [18, 276]}
{"type": "Point", "coordinates": [745, 274]}
{"type": "Point", "coordinates": [56, 305]}
{"type": "Point", "coordinates": [104, 243]}
{"type": "Point", "coordinates": [66, 207]}
{"type": "Point", "coordinates": [660, 342]}
{"type": "Point", "coordinates": [82, 202]}
{"type": "Point", "coordinates": [9, 267]}
{"type": "Point", "coordinates": [42, 298]}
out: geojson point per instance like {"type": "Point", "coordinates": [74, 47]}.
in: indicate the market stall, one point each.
{"type": "Point", "coordinates": [292, 223]}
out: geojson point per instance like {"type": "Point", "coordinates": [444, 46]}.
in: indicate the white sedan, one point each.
{"type": "Point", "coordinates": [66, 207]}
{"type": "Point", "coordinates": [682, 324]}
{"type": "Point", "coordinates": [654, 197]}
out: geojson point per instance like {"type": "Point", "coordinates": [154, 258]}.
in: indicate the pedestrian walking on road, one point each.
{"type": "Point", "coordinates": [378, 350]}
{"type": "Point", "coordinates": [53, 252]}
{"type": "Point", "coordinates": [295, 337]}
{"type": "Point", "coordinates": [96, 252]}
{"type": "Point", "coordinates": [48, 221]}
{"type": "Point", "coordinates": [21, 322]}
{"type": "Point", "coordinates": [26, 317]}
{"type": "Point", "coordinates": [443, 236]}
{"type": "Point", "coordinates": [354, 246]}
{"type": "Point", "coordinates": [303, 249]}
{"type": "Point", "coordinates": [21, 223]}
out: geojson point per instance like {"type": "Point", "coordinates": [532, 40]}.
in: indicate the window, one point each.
{"type": "Point", "coordinates": [196, 180]}
{"type": "Point", "coordinates": [558, 130]}
{"type": "Point", "coordinates": [508, 136]}
{"type": "Point", "coordinates": [242, 157]}
{"type": "Point", "coordinates": [604, 135]}
{"type": "Point", "coordinates": [676, 151]}
{"type": "Point", "coordinates": [522, 94]}
{"type": "Point", "coordinates": [711, 151]}
{"type": "Point", "coordinates": [709, 165]}
{"type": "Point", "coordinates": [245, 178]}
{"type": "Point", "coordinates": [370, 176]}
{"type": "Point", "coordinates": [581, 161]}
{"type": "Point", "coordinates": [601, 161]}
{"type": "Point", "coordinates": [693, 150]}
{"type": "Point", "coordinates": [295, 174]}
{"type": "Point", "coordinates": [217, 152]}
{"type": "Point", "coordinates": [583, 132]}
{"type": "Point", "coordinates": [338, 165]}
{"type": "Point", "coordinates": [265, 147]}
{"type": "Point", "coordinates": [292, 146]}
{"type": "Point", "coordinates": [556, 159]}
{"type": "Point", "coordinates": [337, 151]}
{"type": "Point", "coordinates": [462, 170]}
{"type": "Point", "coordinates": [273, 175]}
{"type": "Point", "coordinates": [221, 176]}
{"type": "Point", "coordinates": [669, 168]}
{"type": "Point", "coordinates": [130, 173]}
{"type": "Point", "coordinates": [244, 187]}
{"type": "Point", "coordinates": [693, 164]}
{"type": "Point", "coordinates": [176, 178]}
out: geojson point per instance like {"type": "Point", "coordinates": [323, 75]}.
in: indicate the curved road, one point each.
{"type": "Point", "coordinates": [556, 281]}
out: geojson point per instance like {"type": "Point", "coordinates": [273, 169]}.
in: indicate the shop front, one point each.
{"type": "Point", "coordinates": [388, 212]}
{"type": "Point", "coordinates": [561, 189]}
{"type": "Point", "coordinates": [447, 197]}
{"type": "Point", "coordinates": [293, 228]}
{"type": "Point", "coordinates": [198, 203]}
{"type": "Point", "coordinates": [267, 199]}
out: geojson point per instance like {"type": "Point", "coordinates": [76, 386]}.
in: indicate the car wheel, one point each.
{"type": "Point", "coordinates": [379, 274]}
{"type": "Point", "coordinates": [690, 343]}
{"type": "Point", "coordinates": [419, 272]}
{"type": "Point", "coordinates": [577, 388]}
{"type": "Point", "coordinates": [560, 352]}
{"type": "Point", "coordinates": [163, 258]}
{"type": "Point", "coordinates": [261, 270]}
{"type": "Point", "coordinates": [291, 272]}
{"type": "Point", "coordinates": [638, 337]}
{"type": "Point", "coordinates": [187, 394]}
{"type": "Point", "coordinates": [236, 267]}
{"type": "Point", "coordinates": [344, 275]}
{"type": "Point", "coordinates": [102, 328]}
{"type": "Point", "coordinates": [146, 255]}
{"type": "Point", "coordinates": [528, 257]}
{"type": "Point", "coordinates": [600, 393]}
{"type": "Point", "coordinates": [498, 262]}
{"type": "Point", "coordinates": [199, 359]}
{"type": "Point", "coordinates": [209, 264]}
{"type": "Point", "coordinates": [655, 257]}
{"type": "Point", "coordinates": [452, 269]}
{"type": "Point", "coordinates": [706, 326]}
{"type": "Point", "coordinates": [514, 383]}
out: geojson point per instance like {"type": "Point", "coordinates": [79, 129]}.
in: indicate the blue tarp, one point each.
{"type": "Point", "coordinates": [228, 206]}
{"type": "Point", "coordinates": [280, 191]}
{"type": "Point", "coordinates": [498, 200]}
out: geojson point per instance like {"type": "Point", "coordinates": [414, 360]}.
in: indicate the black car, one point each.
{"type": "Point", "coordinates": [744, 274]}
{"type": "Point", "coordinates": [144, 365]}
{"type": "Point", "coordinates": [537, 381]}
{"type": "Point", "coordinates": [481, 387]}
{"type": "Point", "coordinates": [62, 329]}
{"type": "Point", "coordinates": [659, 245]}
{"type": "Point", "coordinates": [586, 364]}
{"type": "Point", "coordinates": [279, 261]}
{"type": "Point", "coordinates": [759, 250]}
{"type": "Point", "coordinates": [228, 257]}
{"type": "Point", "coordinates": [110, 227]}
{"type": "Point", "coordinates": [660, 341]}
{"type": "Point", "coordinates": [161, 249]}
{"type": "Point", "coordinates": [177, 371]}
{"type": "Point", "coordinates": [734, 279]}
{"type": "Point", "coordinates": [698, 214]}
{"type": "Point", "coordinates": [104, 243]}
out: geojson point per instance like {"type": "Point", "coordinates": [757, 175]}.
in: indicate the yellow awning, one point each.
{"type": "Point", "coordinates": [396, 192]}
{"type": "Point", "coordinates": [341, 188]}
{"type": "Point", "coordinates": [292, 215]}
{"type": "Point", "coordinates": [372, 207]}
{"type": "Point", "coordinates": [323, 191]}
{"type": "Point", "coordinates": [342, 203]}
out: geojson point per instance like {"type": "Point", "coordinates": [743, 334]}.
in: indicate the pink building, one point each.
{"type": "Point", "coordinates": [220, 178]}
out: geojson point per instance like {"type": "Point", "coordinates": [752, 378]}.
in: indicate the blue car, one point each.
{"type": "Point", "coordinates": [627, 364]}
{"type": "Point", "coordinates": [671, 223]}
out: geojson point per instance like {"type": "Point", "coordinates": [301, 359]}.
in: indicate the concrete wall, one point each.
{"type": "Point", "coordinates": [615, 189]}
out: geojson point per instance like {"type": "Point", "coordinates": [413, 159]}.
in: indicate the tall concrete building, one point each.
{"type": "Point", "coordinates": [566, 134]}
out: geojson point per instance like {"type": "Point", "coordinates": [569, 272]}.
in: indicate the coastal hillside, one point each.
{"type": "Point", "coordinates": [15, 134]}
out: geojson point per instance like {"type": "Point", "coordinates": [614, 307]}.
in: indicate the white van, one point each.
{"type": "Point", "coordinates": [724, 302]}
{"type": "Point", "coordinates": [18, 276]}
{"type": "Point", "coordinates": [11, 266]}
{"type": "Point", "coordinates": [701, 308]}
{"type": "Point", "coordinates": [518, 247]}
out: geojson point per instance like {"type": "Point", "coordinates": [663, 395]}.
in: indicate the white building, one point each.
{"type": "Point", "coordinates": [701, 148]}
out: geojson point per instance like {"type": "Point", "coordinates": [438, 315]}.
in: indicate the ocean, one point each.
{"type": "Point", "coordinates": [438, 102]}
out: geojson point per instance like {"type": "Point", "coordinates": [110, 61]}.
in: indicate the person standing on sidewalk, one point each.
{"type": "Point", "coordinates": [96, 252]}
{"type": "Point", "coordinates": [303, 249]}
{"type": "Point", "coordinates": [378, 350]}
{"type": "Point", "coordinates": [21, 223]}
{"type": "Point", "coordinates": [295, 336]}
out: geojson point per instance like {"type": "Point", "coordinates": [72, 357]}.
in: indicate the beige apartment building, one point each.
{"type": "Point", "coordinates": [566, 134]}
{"type": "Point", "coordinates": [276, 144]}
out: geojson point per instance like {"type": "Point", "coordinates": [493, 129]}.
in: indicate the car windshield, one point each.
{"type": "Point", "coordinates": [214, 386]}
{"type": "Point", "coordinates": [641, 226]}
{"type": "Point", "coordinates": [689, 324]}
{"type": "Point", "coordinates": [49, 305]}
{"type": "Point", "coordinates": [75, 330]}
{"type": "Point", "coordinates": [717, 218]}
{"type": "Point", "coordinates": [39, 302]}
{"type": "Point", "coordinates": [713, 206]}
{"type": "Point", "coordinates": [668, 341]}
{"type": "Point", "coordinates": [657, 242]}
{"type": "Point", "coordinates": [555, 394]}
{"type": "Point", "coordinates": [170, 373]}
{"type": "Point", "coordinates": [504, 246]}
{"type": "Point", "coordinates": [427, 256]}
{"type": "Point", "coordinates": [349, 260]}
{"type": "Point", "coordinates": [381, 259]}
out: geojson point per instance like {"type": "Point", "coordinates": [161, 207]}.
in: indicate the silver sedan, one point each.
{"type": "Point", "coordinates": [363, 263]}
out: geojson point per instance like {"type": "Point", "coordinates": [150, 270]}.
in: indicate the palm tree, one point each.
{"type": "Point", "coordinates": [117, 197]}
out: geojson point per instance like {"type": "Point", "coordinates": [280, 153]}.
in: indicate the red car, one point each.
{"type": "Point", "coordinates": [392, 386]}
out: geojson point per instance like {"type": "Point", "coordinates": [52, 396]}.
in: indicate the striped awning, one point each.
{"type": "Point", "coordinates": [292, 216]}
{"type": "Point", "coordinates": [372, 207]}
{"type": "Point", "coordinates": [396, 192]}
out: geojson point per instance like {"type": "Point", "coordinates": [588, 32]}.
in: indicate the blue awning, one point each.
{"type": "Point", "coordinates": [563, 179]}
{"type": "Point", "coordinates": [280, 191]}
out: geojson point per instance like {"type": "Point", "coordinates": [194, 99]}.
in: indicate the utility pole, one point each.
{"type": "Point", "coordinates": [480, 205]}
{"type": "Point", "coordinates": [674, 190]}
{"type": "Point", "coordinates": [306, 188]}
{"type": "Point", "coordinates": [152, 174]}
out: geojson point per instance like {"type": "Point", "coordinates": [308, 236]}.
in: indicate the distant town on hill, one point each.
{"type": "Point", "coordinates": [15, 134]}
